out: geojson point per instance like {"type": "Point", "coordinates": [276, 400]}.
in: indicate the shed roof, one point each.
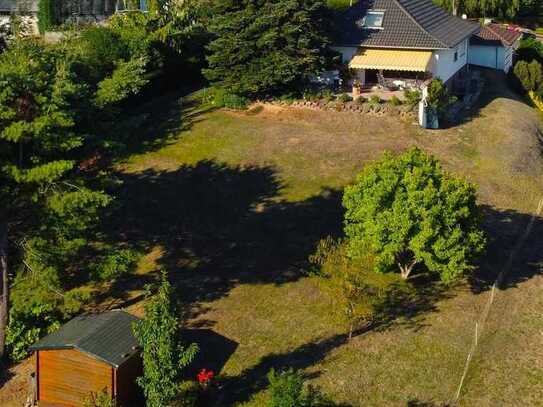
{"type": "Point", "coordinates": [414, 24]}
{"type": "Point", "coordinates": [495, 33]}
{"type": "Point", "coordinates": [107, 336]}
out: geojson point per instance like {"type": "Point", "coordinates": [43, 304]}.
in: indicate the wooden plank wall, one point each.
{"type": "Point", "coordinates": [128, 391]}
{"type": "Point", "coordinates": [67, 376]}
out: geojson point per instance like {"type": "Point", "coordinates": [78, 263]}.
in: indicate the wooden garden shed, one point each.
{"type": "Point", "coordinates": [88, 354]}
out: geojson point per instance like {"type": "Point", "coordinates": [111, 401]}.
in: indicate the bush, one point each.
{"type": "Point", "coordinates": [327, 95]}
{"type": "Point", "coordinates": [287, 390]}
{"type": "Point", "coordinates": [395, 101]}
{"type": "Point", "coordinates": [220, 97]}
{"type": "Point", "coordinates": [189, 394]}
{"type": "Point", "coordinates": [529, 75]}
{"type": "Point", "coordinates": [99, 399]}
{"type": "Point", "coordinates": [439, 98]}
{"type": "Point", "coordinates": [344, 98]}
{"type": "Point", "coordinates": [360, 100]}
{"type": "Point", "coordinates": [114, 265]}
{"type": "Point", "coordinates": [100, 50]}
{"type": "Point", "coordinates": [412, 97]}
{"type": "Point", "coordinates": [375, 100]}
{"type": "Point", "coordinates": [530, 49]}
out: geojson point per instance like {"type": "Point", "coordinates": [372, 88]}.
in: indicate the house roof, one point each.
{"type": "Point", "coordinates": [415, 24]}
{"type": "Point", "coordinates": [495, 33]}
{"type": "Point", "coordinates": [107, 337]}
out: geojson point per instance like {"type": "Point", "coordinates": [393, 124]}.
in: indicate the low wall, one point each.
{"type": "Point", "coordinates": [374, 109]}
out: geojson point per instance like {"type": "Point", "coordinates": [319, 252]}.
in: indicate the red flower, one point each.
{"type": "Point", "coordinates": [205, 376]}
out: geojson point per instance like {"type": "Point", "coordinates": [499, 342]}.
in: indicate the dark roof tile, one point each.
{"type": "Point", "coordinates": [107, 336]}
{"type": "Point", "coordinates": [406, 24]}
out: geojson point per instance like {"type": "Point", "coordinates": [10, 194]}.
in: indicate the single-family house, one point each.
{"type": "Point", "coordinates": [494, 46]}
{"type": "Point", "coordinates": [89, 354]}
{"type": "Point", "coordinates": [403, 42]}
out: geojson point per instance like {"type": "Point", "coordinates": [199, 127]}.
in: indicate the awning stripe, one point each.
{"type": "Point", "coordinates": [392, 59]}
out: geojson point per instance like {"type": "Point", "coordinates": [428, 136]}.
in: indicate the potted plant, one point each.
{"type": "Point", "coordinates": [357, 89]}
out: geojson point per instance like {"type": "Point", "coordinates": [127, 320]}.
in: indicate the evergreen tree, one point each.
{"type": "Point", "coordinates": [263, 47]}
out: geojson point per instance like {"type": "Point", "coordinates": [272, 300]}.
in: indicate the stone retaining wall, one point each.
{"type": "Point", "coordinates": [373, 109]}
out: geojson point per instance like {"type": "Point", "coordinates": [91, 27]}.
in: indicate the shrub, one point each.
{"type": "Point", "coordinates": [344, 98]}
{"type": "Point", "coordinates": [530, 75]}
{"type": "Point", "coordinates": [114, 265]}
{"type": "Point", "coordinates": [100, 50]}
{"type": "Point", "coordinates": [220, 97]}
{"type": "Point", "coordinates": [395, 101]}
{"type": "Point", "coordinates": [287, 390]}
{"type": "Point", "coordinates": [530, 49]}
{"type": "Point", "coordinates": [439, 98]}
{"type": "Point", "coordinates": [412, 97]}
{"type": "Point", "coordinates": [327, 95]}
{"type": "Point", "coordinates": [189, 394]}
{"type": "Point", "coordinates": [375, 100]}
{"type": "Point", "coordinates": [360, 100]}
{"type": "Point", "coordinates": [99, 399]}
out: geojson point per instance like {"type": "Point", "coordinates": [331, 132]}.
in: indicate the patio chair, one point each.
{"type": "Point", "coordinates": [384, 83]}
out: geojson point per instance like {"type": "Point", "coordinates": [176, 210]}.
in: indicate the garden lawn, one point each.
{"type": "Point", "coordinates": [231, 204]}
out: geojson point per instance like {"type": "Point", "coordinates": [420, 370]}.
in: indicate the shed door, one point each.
{"type": "Point", "coordinates": [487, 56]}
{"type": "Point", "coordinates": [67, 376]}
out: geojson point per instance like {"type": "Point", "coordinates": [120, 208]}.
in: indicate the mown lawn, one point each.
{"type": "Point", "coordinates": [231, 205]}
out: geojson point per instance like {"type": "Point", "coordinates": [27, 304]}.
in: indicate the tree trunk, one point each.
{"type": "Point", "coordinates": [406, 269]}
{"type": "Point", "coordinates": [4, 287]}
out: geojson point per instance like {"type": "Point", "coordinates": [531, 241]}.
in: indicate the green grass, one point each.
{"type": "Point", "coordinates": [231, 205]}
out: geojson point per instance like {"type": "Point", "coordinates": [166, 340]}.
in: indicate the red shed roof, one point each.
{"type": "Point", "coordinates": [498, 33]}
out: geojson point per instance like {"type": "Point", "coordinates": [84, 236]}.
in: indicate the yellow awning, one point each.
{"type": "Point", "coordinates": [392, 60]}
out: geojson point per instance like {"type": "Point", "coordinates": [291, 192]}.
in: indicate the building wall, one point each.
{"type": "Point", "coordinates": [65, 377]}
{"type": "Point", "coordinates": [128, 392]}
{"type": "Point", "coordinates": [492, 56]}
{"type": "Point", "coordinates": [347, 53]}
{"type": "Point", "coordinates": [444, 66]}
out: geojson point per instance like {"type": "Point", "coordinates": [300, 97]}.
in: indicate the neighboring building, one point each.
{"type": "Point", "coordinates": [494, 47]}
{"type": "Point", "coordinates": [407, 40]}
{"type": "Point", "coordinates": [80, 11]}
{"type": "Point", "coordinates": [88, 354]}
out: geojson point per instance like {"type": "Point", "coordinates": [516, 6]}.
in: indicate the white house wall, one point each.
{"type": "Point", "coordinates": [347, 53]}
{"type": "Point", "coordinates": [443, 64]}
{"type": "Point", "coordinates": [492, 56]}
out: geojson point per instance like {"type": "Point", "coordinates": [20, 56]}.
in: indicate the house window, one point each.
{"type": "Point", "coordinates": [373, 20]}
{"type": "Point", "coordinates": [455, 55]}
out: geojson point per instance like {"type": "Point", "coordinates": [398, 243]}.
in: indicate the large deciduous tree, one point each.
{"type": "Point", "coordinates": [164, 353]}
{"type": "Point", "coordinates": [263, 47]}
{"type": "Point", "coordinates": [410, 211]}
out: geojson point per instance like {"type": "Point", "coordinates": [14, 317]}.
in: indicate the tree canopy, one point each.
{"type": "Point", "coordinates": [262, 47]}
{"type": "Point", "coordinates": [410, 211]}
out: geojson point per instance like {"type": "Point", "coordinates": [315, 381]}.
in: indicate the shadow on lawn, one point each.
{"type": "Point", "coordinates": [505, 230]}
{"type": "Point", "coordinates": [219, 226]}
{"type": "Point", "coordinates": [155, 124]}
